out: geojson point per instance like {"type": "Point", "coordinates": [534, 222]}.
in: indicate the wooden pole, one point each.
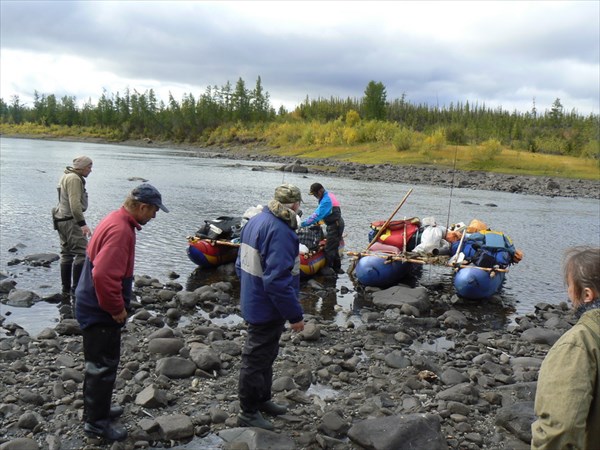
{"type": "Point", "coordinates": [390, 257]}
{"type": "Point", "coordinates": [387, 222]}
{"type": "Point", "coordinates": [487, 269]}
{"type": "Point", "coordinates": [404, 240]}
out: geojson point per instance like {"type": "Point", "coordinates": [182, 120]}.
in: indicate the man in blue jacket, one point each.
{"type": "Point", "coordinates": [268, 266]}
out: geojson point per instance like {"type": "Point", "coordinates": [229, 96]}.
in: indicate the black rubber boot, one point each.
{"type": "Point", "coordinates": [255, 419]}
{"type": "Point", "coordinates": [106, 430]}
{"type": "Point", "coordinates": [97, 388]}
{"type": "Point", "coordinates": [77, 269]}
{"type": "Point", "coordinates": [272, 408]}
{"type": "Point", "coordinates": [65, 278]}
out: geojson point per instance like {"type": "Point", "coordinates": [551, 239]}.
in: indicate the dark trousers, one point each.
{"type": "Point", "coordinates": [256, 372]}
{"type": "Point", "coordinates": [335, 230]}
{"type": "Point", "coordinates": [102, 351]}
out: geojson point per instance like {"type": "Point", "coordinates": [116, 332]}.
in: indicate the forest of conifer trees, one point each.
{"type": "Point", "coordinates": [134, 115]}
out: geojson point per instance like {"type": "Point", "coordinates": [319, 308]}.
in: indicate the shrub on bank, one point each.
{"type": "Point", "coordinates": [403, 139]}
{"type": "Point", "coordinates": [489, 150]}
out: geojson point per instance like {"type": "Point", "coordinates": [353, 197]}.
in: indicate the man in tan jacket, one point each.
{"type": "Point", "coordinates": [70, 223]}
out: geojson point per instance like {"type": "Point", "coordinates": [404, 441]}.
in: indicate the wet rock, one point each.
{"type": "Point", "coordinates": [187, 300]}
{"type": "Point", "coordinates": [20, 444]}
{"type": "Point", "coordinates": [30, 397]}
{"type": "Point", "coordinates": [454, 319]}
{"type": "Point", "coordinates": [175, 367]}
{"type": "Point", "coordinates": [256, 438]}
{"type": "Point", "coordinates": [151, 397]}
{"type": "Point", "coordinates": [230, 348]}
{"type": "Point", "coordinates": [399, 295]}
{"type": "Point", "coordinates": [41, 259]}
{"type": "Point", "coordinates": [21, 298]}
{"type": "Point", "coordinates": [295, 167]}
{"type": "Point", "coordinates": [451, 377]}
{"type": "Point", "coordinates": [517, 419]}
{"type": "Point", "coordinates": [28, 420]}
{"type": "Point", "coordinates": [538, 335]}
{"type": "Point", "coordinates": [165, 346]}
{"type": "Point", "coordinates": [333, 424]}
{"type": "Point", "coordinates": [284, 384]}
{"type": "Point", "coordinates": [204, 357]}
{"type": "Point", "coordinates": [175, 426]}
{"type": "Point", "coordinates": [461, 393]}
{"type": "Point", "coordinates": [402, 432]}
{"type": "Point", "coordinates": [397, 360]}
{"type": "Point", "coordinates": [311, 332]}
{"type": "Point", "coordinates": [7, 285]}
{"type": "Point", "coordinates": [67, 327]}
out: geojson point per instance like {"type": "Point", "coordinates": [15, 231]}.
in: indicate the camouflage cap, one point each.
{"type": "Point", "coordinates": [287, 193]}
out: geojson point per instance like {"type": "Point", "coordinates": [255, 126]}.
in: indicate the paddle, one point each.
{"type": "Point", "coordinates": [387, 222]}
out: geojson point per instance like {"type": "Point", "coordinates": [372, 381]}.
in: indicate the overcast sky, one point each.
{"type": "Point", "coordinates": [501, 54]}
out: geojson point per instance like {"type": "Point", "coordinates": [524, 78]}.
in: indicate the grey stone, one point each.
{"type": "Point", "coordinates": [165, 346]}
{"type": "Point", "coordinates": [151, 397]}
{"type": "Point", "coordinates": [401, 432]}
{"type": "Point", "coordinates": [257, 439]}
{"type": "Point", "coordinates": [175, 367]}
{"type": "Point", "coordinates": [396, 296]}
{"type": "Point", "coordinates": [204, 357]}
{"type": "Point", "coordinates": [175, 427]}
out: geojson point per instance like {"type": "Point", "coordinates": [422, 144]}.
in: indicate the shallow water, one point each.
{"type": "Point", "coordinates": [196, 189]}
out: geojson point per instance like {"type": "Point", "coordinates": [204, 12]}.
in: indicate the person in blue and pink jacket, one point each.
{"type": "Point", "coordinates": [330, 212]}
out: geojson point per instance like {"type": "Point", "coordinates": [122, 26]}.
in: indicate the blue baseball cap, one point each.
{"type": "Point", "coordinates": [146, 193]}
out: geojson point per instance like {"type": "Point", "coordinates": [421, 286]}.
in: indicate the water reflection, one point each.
{"type": "Point", "coordinates": [437, 345]}
{"type": "Point", "coordinates": [325, 393]}
{"type": "Point", "coordinates": [319, 295]}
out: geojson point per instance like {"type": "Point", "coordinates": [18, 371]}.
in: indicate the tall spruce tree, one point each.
{"type": "Point", "coordinates": [374, 101]}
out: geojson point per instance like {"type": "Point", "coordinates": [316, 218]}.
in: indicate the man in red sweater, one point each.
{"type": "Point", "coordinates": [102, 299]}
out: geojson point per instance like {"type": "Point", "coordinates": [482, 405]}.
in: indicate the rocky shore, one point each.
{"type": "Point", "coordinates": [412, 175]}
{"type": "Point", "coordinates": [417, 369]}
{"type": "Point", "coordinates": [428, 175]}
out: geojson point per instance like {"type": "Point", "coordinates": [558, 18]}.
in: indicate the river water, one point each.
{"type": "Point", "coordinates": [196, 189]}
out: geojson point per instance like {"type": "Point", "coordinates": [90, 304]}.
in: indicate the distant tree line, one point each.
{"type": "Point", "coordinates": [141, 115]}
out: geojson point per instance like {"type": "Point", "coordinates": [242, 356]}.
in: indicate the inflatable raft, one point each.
{"type": "Point", "coordinates": [489, 253]}
{"type": "Point", "coordinates": [207, 253]}
{"type": "Point", "coordinates": [475, 282]}
{"type": "Point", "coordinates": [379, 271]}
{"type": "Point", "coordinates": [312, 262]}
{"type": "Point", "coordinates": [382, 265]}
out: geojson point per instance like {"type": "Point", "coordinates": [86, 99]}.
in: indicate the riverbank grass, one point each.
{"type": "Point", "coordinates": [490, 156]}
{"type": "Point", "coordinates": [450, 156]}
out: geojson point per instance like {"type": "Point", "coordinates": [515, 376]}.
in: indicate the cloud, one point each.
{"type": "Point", "coordinates": [502, 54]}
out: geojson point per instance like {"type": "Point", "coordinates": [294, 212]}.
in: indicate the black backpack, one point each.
{"type": "Point", "coordinates": [222, 228]}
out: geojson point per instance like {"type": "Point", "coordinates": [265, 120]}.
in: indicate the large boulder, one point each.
{"type": "Point", "coordinates": [397, 296]}
{"type": "Point", "coordinates": [401, 432]}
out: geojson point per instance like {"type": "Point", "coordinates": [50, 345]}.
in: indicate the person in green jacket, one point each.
{"type": "Point", "coordinates": [567, 400]}
{"type": "Point", "coordinates": [70, 223]}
